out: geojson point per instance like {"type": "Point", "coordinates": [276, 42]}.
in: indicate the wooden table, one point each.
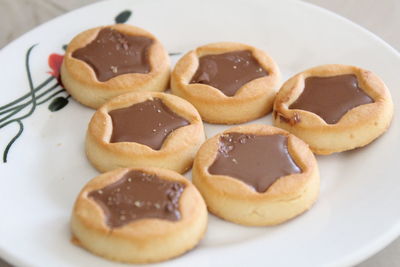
{"type": "Point", "coordinates": [380, 17]}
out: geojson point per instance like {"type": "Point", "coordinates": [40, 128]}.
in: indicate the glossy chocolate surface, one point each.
{"type": "Point", "coordinates": [138, 195]}
{"type": "Point", "coordinates": [228, 72]}
{"type": "Point", "coordinates": [331, 97]}
{"type": "Point", "coordinates": [113, 53]}
{"type": "Point", "coordinates": [257, 160]}
{"type": "Point", "coordinates": [148, 123]}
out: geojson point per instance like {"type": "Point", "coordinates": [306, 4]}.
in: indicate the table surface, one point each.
{"type": "Point", "coordinates": [380, 17]}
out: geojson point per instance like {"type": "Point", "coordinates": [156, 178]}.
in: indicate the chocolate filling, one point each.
{"type": "Point", "coordinates": [138, 195]}
{"type": "Point", "coordinates": [113, 53]}
{"type": "Point", "coordinates": [148, 123]}
{"type": "Point", "coordinates": [257, 160]}
{"type": "Point", "coordinates": [331, 97]}
{"type": "Point", "coordinates": [229, 71]}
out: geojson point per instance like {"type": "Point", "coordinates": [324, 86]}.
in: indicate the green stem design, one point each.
{"type": "Point", "coordinates": [20, 107]}
{"type": "Point", "coordinates": [15, 107]}
{"type": "Point", "coordinates": [43, 84]}
{"type": "Point", "coordinates": [32, 93]}
{"type": "Point", "coordinates": [51, 96]}
{"type": "Point", "coordinates": [21, 129]}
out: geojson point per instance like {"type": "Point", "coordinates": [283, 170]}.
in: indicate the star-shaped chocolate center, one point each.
{"type": "Point", "coordinates": [113, 53]}
{"type": "Point", "coordinates": [257, 160]}
{"type": "Point", "coordinates": [228, 72]}
{"type": "Point", "coordinates": [138, 195]}
{"type": "Point", "coordinates": [331, 97]}
{"type": "Point", "coordinates": [148, 123]}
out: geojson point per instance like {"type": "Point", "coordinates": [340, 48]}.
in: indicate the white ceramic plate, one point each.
{"type": "Point", "coordinates": [357, 212]}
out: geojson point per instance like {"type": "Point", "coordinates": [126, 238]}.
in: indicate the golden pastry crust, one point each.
{"type": "Point", "coordinates": [177, 152]}
{"type": "Point", "coordinates": [141, 241]}
{"type": "Point", "coordinates": [357, 128]}
{"type": "Point", "coordinates": [80, 80]}
{"type": "Point", "coordinates": [234, 200]}
{"type": "Point", "coordinates": [252, 100]}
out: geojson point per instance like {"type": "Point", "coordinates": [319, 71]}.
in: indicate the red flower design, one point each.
{"type": "Point", "coordinates": [55, 61]}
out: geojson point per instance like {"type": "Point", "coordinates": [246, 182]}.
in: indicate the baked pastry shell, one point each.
{"type": "Point", "coordinates": [177, 152]}
{"type": "Point", "coordinates": [144, 240]}
{"type": "Point", "coordinates": [236, 201]}
{"type": "Point", "coordinates": [81, 81]}
{"type": "Point", "coordinates": [358, 127]}
{"type": "Point", "coordinates": [253, 100]}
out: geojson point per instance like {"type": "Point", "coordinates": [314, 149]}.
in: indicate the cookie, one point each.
{"type": "Point", "coordinates": [334, 108]}
{"type": "Point", "coordinates": [139, 215]}
{"type": "Point", "coordinates": [105, 62]}
{"type": "Point", "coordinates": [144, 129]}
{"type": "Point", "coordinates": [256, 175]}
{"type": "Point", "coordinates": [227, 82]}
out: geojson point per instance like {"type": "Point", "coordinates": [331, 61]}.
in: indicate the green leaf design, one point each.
{"type": "Point", "coordinates": [174, 53]}
{"type": "Point", "coordinates": [64, 47]}
{"type": "Point", "coordinates": [123, 16]}
{"type": "Point", "coordinates": [58, 103]}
